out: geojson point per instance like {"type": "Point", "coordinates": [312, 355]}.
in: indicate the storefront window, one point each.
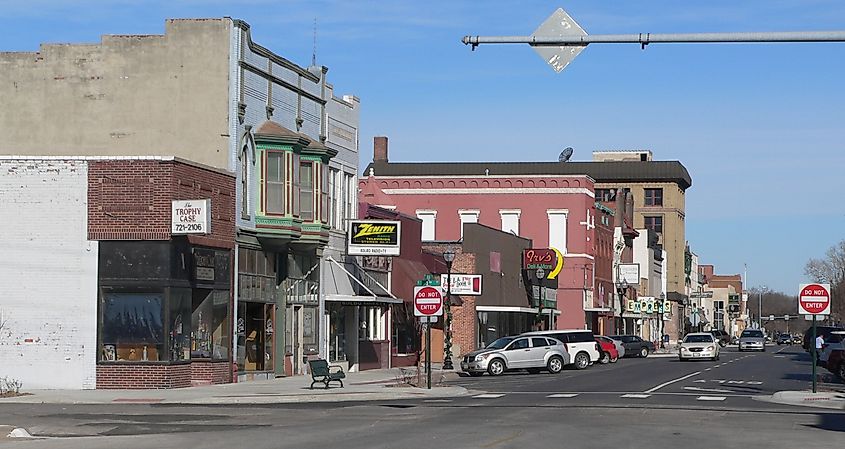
{"type": "Point", "coordinates": [220, 342]}
{"type": "Point", "coordinates": [133, 328]}
{"type": "Point", "coordinates": [337, 332]}
{"type": "Point", "coordinates": [255, 326]}
{"type": "Point", "coordinates": [180, 324]}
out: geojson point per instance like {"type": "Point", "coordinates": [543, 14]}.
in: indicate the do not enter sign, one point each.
{"type": "Point", "coordinates": [814, 299]}
{"type": "Point", "coordinates": [428, 301]}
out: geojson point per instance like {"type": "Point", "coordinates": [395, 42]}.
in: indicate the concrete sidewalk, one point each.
{"type": "Point", "coordinates": [388, 384]}
{"type": "Point", "coordinates": [827, 399]}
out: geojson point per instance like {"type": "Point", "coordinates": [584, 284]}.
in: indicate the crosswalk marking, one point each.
{"type": "Point", "coordinates": [562, 395]}
{"type": "Point", "coordinates": [711, 398]}
{"type": "Point", "coordinates": [635, 396]}
{"type": "Point", "coordinates": [438, 400]}
{"type": "Point", "coordinates": [488, 396]}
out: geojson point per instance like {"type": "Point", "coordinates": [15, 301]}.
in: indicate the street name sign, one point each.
{"type": "Point", "coordinates": [814, 299]}
{"type": "Point", "coordinates": [428, 301]}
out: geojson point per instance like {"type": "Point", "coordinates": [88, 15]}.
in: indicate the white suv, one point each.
{"type": "Point", "coordinates": [581, 345]}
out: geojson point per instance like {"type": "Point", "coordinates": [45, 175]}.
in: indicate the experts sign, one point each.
{"type": "Point", "coordinates": [373, 238]}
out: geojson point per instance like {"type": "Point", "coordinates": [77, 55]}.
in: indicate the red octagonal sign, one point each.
{"type": "Point", "coordinates": [428, 301]}
{"type": "Point", "coordinates": [814, 299]}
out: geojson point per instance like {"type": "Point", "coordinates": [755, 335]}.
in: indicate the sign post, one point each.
{"type": "Point", "coordinates": [428, 304]}
{"type": "Point", "coordinates": [814, 300]}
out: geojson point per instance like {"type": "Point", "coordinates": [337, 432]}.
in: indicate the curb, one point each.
{"type": "Point", "coordinates": [828, 400]}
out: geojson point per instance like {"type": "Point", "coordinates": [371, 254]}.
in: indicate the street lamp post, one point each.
{"type": "Point", "coordinates": [449, 257]}
{"type": "Point", "coordinates": [621, 287]}
{"type": "Point", "coordinates": [660, 317]}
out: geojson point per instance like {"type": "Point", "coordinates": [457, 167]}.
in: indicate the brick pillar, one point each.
{"type": "Point", "coordinates": [380, 149]}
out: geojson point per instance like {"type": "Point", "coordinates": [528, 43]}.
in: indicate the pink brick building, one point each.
{"type": "Point", "coordinates": [553, 210]}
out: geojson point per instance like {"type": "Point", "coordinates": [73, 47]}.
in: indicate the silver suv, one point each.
{"type": "Point", "coordinates": [752, 339]}
{"type": "Point", "coordinates": [509, 353]}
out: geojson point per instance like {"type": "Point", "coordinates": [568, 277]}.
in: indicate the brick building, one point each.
{"type": "Point", "coordinates": [129, 303]}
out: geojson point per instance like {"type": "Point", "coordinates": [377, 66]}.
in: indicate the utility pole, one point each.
{"type": "Point", "coordinates": [560, 39]}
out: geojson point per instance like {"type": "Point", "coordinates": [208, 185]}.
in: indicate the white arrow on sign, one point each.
{"type": "Point", "coordinates": [557, 25]}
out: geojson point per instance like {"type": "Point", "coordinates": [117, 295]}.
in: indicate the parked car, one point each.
{"type": "Point", "coordinates": [836, 363]}
{"type": "Point", "coordinates": [634, 345]}
{"type": "Point", "coordinates": [832, 343]}
{"type": "Point", "coordinates": [620, 348]}
{"type": "Point", "coordinates": [510, 353]}
{"type": "Point", "coordinates": [752, 340]}
{"type": "Point", "coordinates": [721, 336]}
{"type": "Point", "coordinates": [609, 353]}
{"type": "Point", "coordinates": [579, 343]}
{"type": "Point", "coordinates": [784, 339]}
{"type": "Point", "coordinates": [699, 345]}
{"type": "Point", "coordinates": [824, 331]}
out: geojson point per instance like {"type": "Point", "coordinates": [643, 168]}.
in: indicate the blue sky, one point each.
{"type": "Point", "coordinates": [761, 128]}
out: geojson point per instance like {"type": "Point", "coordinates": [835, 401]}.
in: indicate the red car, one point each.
{"type": "Point", "coordinates": [609, 354]}
{"type": "Point", "coordinates": [836, 363]}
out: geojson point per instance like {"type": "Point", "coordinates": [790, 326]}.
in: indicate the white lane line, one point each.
{"type": "Point", "coordinates": [711, 398]}
{"type": "Point", "coordinates": [438, 400]}
{"type": "Point", "coordinates": [488, 396]}
{"type": "Point", "coordinates": [707, 369]}
{"type": "Point", "coordinates": [780, 356]}
{"type": "Point", "coordinates": [652, 390]}
{"type": "Point", "coordinates": [562, 395]}
{"type": "Point", "coordinates": [635, 396]}
{"type": "Point", "coordinates": [708, 390]}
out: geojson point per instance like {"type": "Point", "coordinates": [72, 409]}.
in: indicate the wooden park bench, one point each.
{"type": "Point", "coordinates": [322, 372]}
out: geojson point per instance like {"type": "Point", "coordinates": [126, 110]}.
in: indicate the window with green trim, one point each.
{"type": "Point", "coordinates": [274, 182]}
{"type": "Point", "coordinates": [306, 191]}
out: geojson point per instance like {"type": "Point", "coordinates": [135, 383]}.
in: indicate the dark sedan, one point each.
{"type": "Point", "coordinates": [634, 345]}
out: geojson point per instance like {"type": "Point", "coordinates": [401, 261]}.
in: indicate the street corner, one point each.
{"type": "Point", "coordinates": [827, 400]}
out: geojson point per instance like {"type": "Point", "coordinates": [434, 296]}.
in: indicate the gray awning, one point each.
{"type": "Point", "coordinates": [358, 299]}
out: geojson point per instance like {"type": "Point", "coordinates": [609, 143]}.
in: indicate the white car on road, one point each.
{"type": "Point", "coordinates": [699, 345]}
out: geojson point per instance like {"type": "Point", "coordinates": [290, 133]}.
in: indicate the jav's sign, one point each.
{"type": "Point", "coordinates": [190, 217]}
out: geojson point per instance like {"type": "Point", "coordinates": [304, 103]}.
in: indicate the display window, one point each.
{"type": "Point", "coordinates": [209, 324]}
{"type": "Point", "coordinates": [133, 327]}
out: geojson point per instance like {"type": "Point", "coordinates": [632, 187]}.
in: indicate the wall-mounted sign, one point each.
{"type": "Point", "coordinates": [463, 284]}
{"type": "Point", "coordinates": [204, 264]}
{"type": "Point", "coordinates": [190, 217]}
{"type": "Point", "coordinates": [630, 273]}
{"type": "Point", "coordinates": [548, 259]}
{"type": "Point", "coordinates": [373, 238]}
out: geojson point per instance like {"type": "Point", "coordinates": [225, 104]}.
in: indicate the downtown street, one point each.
{"type": "Point", "coordinates": [635, 403]}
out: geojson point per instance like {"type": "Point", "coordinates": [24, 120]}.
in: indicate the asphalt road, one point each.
{"type": "Point", "coordinates": [650, 403]}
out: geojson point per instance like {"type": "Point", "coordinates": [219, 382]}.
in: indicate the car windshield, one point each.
{"type": "Point", "coordinates": [755, 334]}
{"type": "Point", "coordinates": [698, 339]}
{"type": "Point", "coordinates": [500, 343]}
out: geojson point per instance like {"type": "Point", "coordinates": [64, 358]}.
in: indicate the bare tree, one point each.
{"type": "Point", "coordinates": [831, 270]}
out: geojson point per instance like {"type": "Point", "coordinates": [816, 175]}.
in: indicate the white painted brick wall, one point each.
{"type": "Point", "coordinates": [48, 275]}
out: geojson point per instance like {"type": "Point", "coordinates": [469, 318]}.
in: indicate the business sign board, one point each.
{"type": "Point", "coordinates": [190, 216]}
{"type": "Point", "coordinates": [373, 238]}
{"type": "Point", "coordinates": [630, 273]}
{"type": "Point", "coordinates": [814, 299]}
{"type": "Point", "coordinates": [462, 284]}
{"type": "Point", "coordinates": [550, 260]}
{"type": "Point", "coordinates": [428, 301]}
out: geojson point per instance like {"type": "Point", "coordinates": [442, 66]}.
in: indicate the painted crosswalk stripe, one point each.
{"type": "Point", "coordinates": [636, 396]}
{"type": "Point", "coordinates": [488, 396]}
{"type": "Point", "coordinates": [438, 400]}
{"type": "Point", "coordinates": [711, 398]}
{"type": "Point", "coordinates": [562, 395]}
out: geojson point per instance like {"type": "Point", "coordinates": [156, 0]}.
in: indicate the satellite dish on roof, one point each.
{"type": "Point", "coordinates": [565, 154]}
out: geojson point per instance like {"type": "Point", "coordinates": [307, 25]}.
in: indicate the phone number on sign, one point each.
{"type": "Point", "coordinates": [180, 227]}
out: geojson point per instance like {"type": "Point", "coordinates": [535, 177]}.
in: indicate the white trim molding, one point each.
{"type": "Point", "coordinates": [419, 212]}
{"type": "Point", "coordinates": [490, 191]}
{"type": "Point", "coordinates": [505, 309]}
{"type": "Point", "coordinates": [518, 212]}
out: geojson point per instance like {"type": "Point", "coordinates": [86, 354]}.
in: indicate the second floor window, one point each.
{"type": "Point", "coordinates": [275, 188]}
{"type": "Point", "coordinates": [306, 191]}
{"type": "Point", "coordinates": [654, 223]}
{"type": "Point", "coordinates": [605, 195]}
{"type": "Point", "coordinates": [653, 197]}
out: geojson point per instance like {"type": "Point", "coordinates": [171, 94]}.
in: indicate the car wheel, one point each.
{"type": "Point", "coordinates": [840, 371]}
{"type": "Point", "coordinates": [605, 358]}
{"type": "Point", "coordinates": [496, 367]}
{"type": "Point", "coordinates": [723, 343]}
{"type": "Point", "coordinates": [476, 374]}
{"type": "Point", "coordinates": [643, 352]}
{"type": "Point", "coordinates": [716, 358]}
{"type": "Point", "coordinates": [555, 365]}
{"type": "Point", "coordinates": [614, 359]}
{"type": "Point", "coordinates": [582, 360]}
{"type": "Point", "coordinates": [533, 370]}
